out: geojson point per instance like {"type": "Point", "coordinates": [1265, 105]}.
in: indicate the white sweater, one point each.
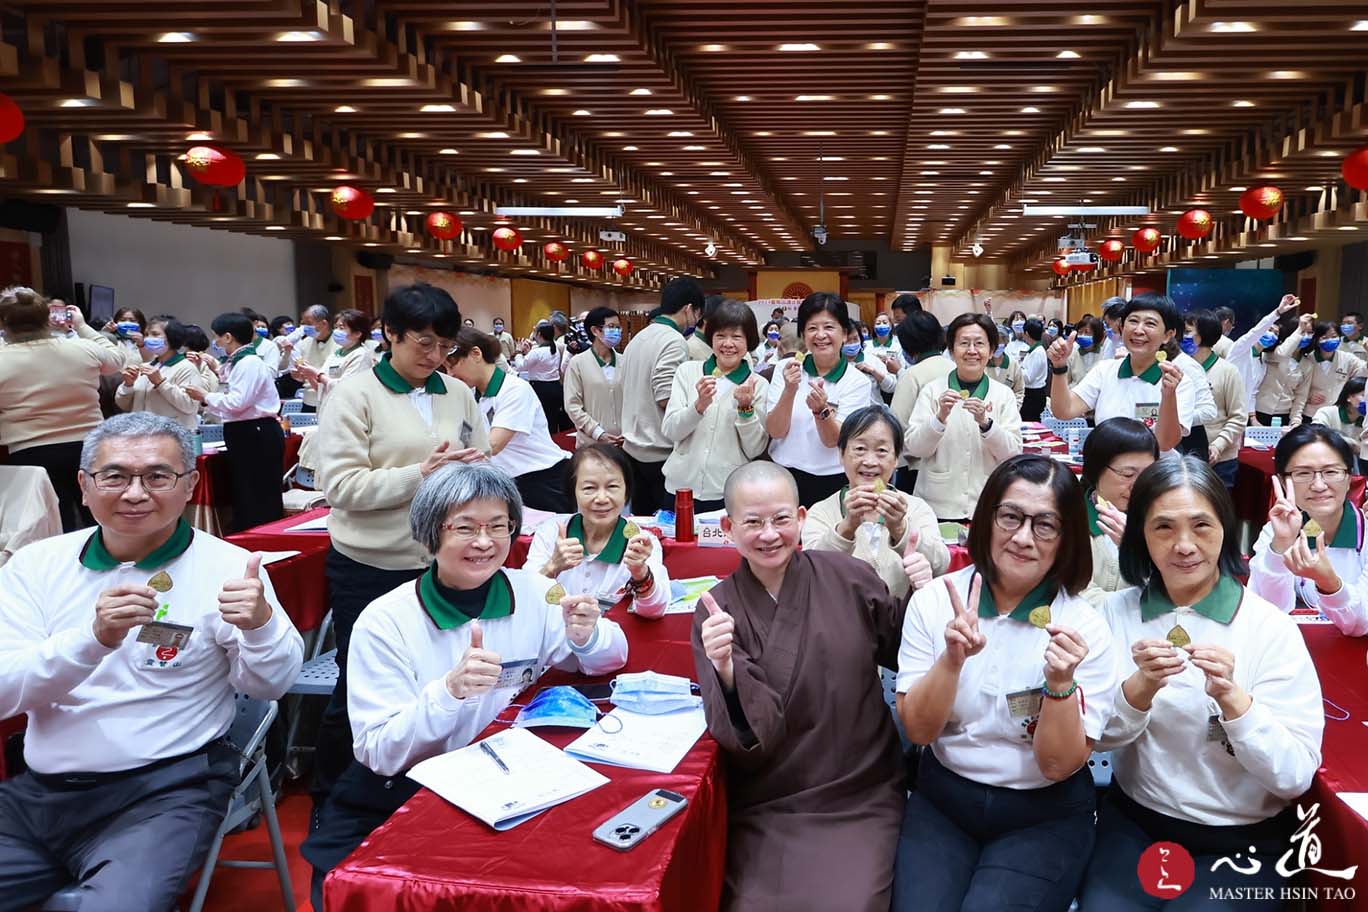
{"type": "Point", "coordinates": [709, 446]}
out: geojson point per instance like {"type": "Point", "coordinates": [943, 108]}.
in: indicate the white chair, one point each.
{"type": "Point", "coordinates": [1099, 764]}
{"type": "Point", "coordinates": [1264, 436]}
{"type": "Point", "coordinates": [292, 407]}
{"type": "Point", "coordinates": [211, 433]}
{"type": "Point", "coordinates": [252, 796]}
{"type": "Point", "coordinates": [304, 419]}
{"type": "Point", "coordinates": [1060, 427]}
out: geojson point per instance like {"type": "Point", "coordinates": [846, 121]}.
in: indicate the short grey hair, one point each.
{"type": "Point", "coordinates": [137, 424]}
{"type": "Point", "coordinates": [316, 312]}
{"type": "Point", "coordinates": [455, 486]}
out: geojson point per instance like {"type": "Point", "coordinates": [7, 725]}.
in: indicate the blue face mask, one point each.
{"type": "Point", "coordinates": [1052, 331]}
{"type": "Point", "coordinates": [865, 336]}
{"type": "Point", "coordinates": [1268, 340]}
{"type": "Point", "coordinates": [217, 351]}
{"type": "Point", "coordinates": [1329, 345]}
{"type": "Point", "coordinates": [1347, 329]}
{"type": "Point", "coordinates": [881, 329]}
{"type": "Point", "coordinates": [378, 335]}
{"type": "Point", "coordinates": [1305, 342]}
{"type": "Point", "coordinates": [263, 331]}
{"type": "Point", "coordinates": [772, 335]}
{"type": "Point", "coordinates": [1084, 341]}
{"type": "Point", "coordinates": [310, 332]}
{"type": "Point", "coordinates": [1188, 345]}
{"type": "Point", "coordinates": [654, 694]}
{"type": "Point", "coordinates": [1363, 407]}
{"type": "Point", "coordinates": [690, 331]}
{"type": "Point", "coordinates": [126, 327]}
{"type": "Point", "coordinates": [612, 335]}
{"type": "Point", "coordinates": [154, 344]}
{"type": "Point", "coordinates": [1111, 333]}
{"type": "Point", "coordinates": [560, 705]}
{"type": "Point", "coordinates": [498, 329]}
{"type": "Point", "coordinates": [851, 349]}
{"type": "Point", "coordinates": [1019, 327]}
{"type": "Point", "coordinates": [1001, 349]}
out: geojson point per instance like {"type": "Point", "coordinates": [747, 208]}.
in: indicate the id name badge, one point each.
{"type": "Point", "coordinates": [519, 673]}
{"type": "Point", "coordinates": [1148, 413]}
{"type": "Point", "coordinates": [466, 432]}
{"type": "Point", "coordinates": [1023, 704]}
{"type": "Point", "coordinates": [160, 633]}
{"type": "Point", "coordinates": [1215, 730]}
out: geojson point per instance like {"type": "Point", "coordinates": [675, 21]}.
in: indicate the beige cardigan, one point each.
{"type": "Point", "coordinates": [593, 402]}
{"type": "Point", "coordinates": [373, 441]}
{"type": "Point", "coordinates": [646, 371]}
{"type": "Point", "coordinates": [709, 446]}
{"type": "Point", "coordinates": [1010, 376]}
{"type": "Point", "coordinates": [819, 534]}
{"type": "Point", "coordinates": [50, 388]}
{"type": "Point", "coordinates": [1106, 575]}
{"type": "Point", "coordinates": [169, 399]}
{"type": "Point", "coordinates": [1226, 433]}
{"type": "Point", "coordinates": [956, 457]}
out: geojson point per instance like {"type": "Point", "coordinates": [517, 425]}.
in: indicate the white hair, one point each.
{"type": "Point", "coordinates": [135, 425]}
{"type": "Point", "coordinates": [455, 486]}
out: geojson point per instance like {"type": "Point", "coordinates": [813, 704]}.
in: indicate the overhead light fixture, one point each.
{"type": "Point", "coordinates": [344, 109]}
{"type": "Point", "coordinates": [815, 98]}
{"type": "Point", "coordinates": [465, 26]}
{"type": "Point", "coordinates": [1141, 105]}
{"type": "Point", "coordinates": [641, 92]}
{"type": "Point", "coordinates": [142, 205]}
{"type": "Point", "coordinates": [286, 83]}
{"type": "Point", "coordinates": [1242, 103]}
{"type": "Point", "coordinates": [508, 58]}
{"type": "Point", "coordinates": [1091, 150]}
{"type": "Point", "coordinates": [438, 109]}
{"type": "Point", "coordinates": [951, 111]}
{"type": "Point", "coordinates": [198, 137]}
{"type": "Point", "coordinates": [982, 21]}
{"type": "Point", "coordinates": [387, 82]}
{"type": "Point", "coordinates": [799, 46]}
{"type": "Point", "coordinates": [267, 156]}
{"type": "Point", "coordinates": [970, 55]}
{"type": "Point", "coordinates": [448, 151]}
{"type": "Point", "coordinates": [582, 113]}
{"type": "Point", "coordinates": [1168, 148]}
{"type": "Point", "coordinates": [1067, 55]}
{"type": "Point", "coordinates": [658, 112]}
{"type": "Point", "coordinates": [957, 90]}
{"type": "Point", "coordinates": [878, 46]}
{"type": "Point", "coordinates": [1232, 27]}
{"type": "Point", "coordinates": [77, 103]}
{"type": "Point", "coordinates": [570, 25]}
{"type": "Point", "coordinates": [602, 58]}
{"type": "Point", "coordinates": [1030, 109]}
{"type": "Point", "coordinates": [275, 227]}
{"type": "Point", "coordinates": [297, 37]}
{"type": "Point", "coordinates": [1002, 146]}
{"type": "Point", "coordinates": [1360, 26]}
{"type": "Point", "coordinates": [175, 37]}
{"type": "Point", "coordinates": [559, 211]}
{"type": "Point", "coordinates": [1084, 210]}
{"type": "Point", "coordinates": [411, 135]}
{"type": "Point", "coordinates": [524, 152]}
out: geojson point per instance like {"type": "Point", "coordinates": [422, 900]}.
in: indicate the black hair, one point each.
{"type": "Point", "coordinates": [280, 323]}
{"type": "Point", "coordinates": [1208, 327]}
{"type": "Point", "coordinates": [546, 332]}
{"type": "Point", "coordinates": [419, 307]}
{"type": "Point", "coordinates": [254, 316]}
{"type": "Point", "coordinates": [679, 293]}
{"type": "Point", "coordinates": [1224, 313]}
{"type": "Point", "coordinates": [1092, 326]}
{"type": "Point", "coordinates": [177, 334]}
{"type": "Point", "coordinates": [863, 419]}
{"type": "Point", "coordinates": [1168, 474]}
{"type": "Point", "coordinates": [710, 303]}
{"type": "Point", "coordinates": [1351, 386]}
{"type": "Point", "coordinates": [1306, 434]}
{"type": "Point", "coordinates": [920, 333]}
{"type": "Point", "coordinates": [1012, 317]}
{"type": "Point", "coordinates": [777, 324]}
{"type": "Point", "coordinates": [1035, 329]}
{"type": "Point", "coordinates": [1321, 329]}
{"type": "Point", "coordinates": [1160, 304]}
{"type": "Point", "coordinates": [136, 314]}
{"type": "Point", "coordinates": [907, 303]}
{"type": "Point", "coordinates": [964, 320]}
{"type": "Point", "coordinates": [469, 339]}
{"type": "Point", "coordinates": [1072, 568]}
{"type": "Point", "coordinates": [1112, 438]}
{"type": "Point", "coordinates": [195, 338]}
{"type": "Point", "coordinates": [730, 314]}
{"type": "Point", "coordinates": [597, 317]}
{"type": "Point", "coordinates": [237, 325]}
{"type": "Point", "coordinates": [827, 302]}
{"type": "Point", "coordinates": [1352, 313]}
{"type": "Point", "coordinates": [605, 453]}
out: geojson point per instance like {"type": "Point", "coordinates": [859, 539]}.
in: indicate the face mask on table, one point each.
{"type": "Point", "coordinates": [559, 705]}
{"type": "Point", "coordinates": [652, 693]}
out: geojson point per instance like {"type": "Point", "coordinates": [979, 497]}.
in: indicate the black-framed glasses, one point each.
{"type": "Point", "coordinates": [1044, 526]}
{"type": "Point", "coordinates": [158, 481]}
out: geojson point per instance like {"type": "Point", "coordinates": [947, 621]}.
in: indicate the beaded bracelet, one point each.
{"type": "Point", "coordinates": [1045, 689]}
{"type": "Point", "coordinates": [745, 413]}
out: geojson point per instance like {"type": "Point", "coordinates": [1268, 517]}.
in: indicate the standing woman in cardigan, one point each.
{"type": "Point", "coordinates": [593, 388]}
{"type": "Point", "coordinates": [159, 385]}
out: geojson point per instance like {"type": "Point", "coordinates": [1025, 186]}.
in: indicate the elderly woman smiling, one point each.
{"type": "Point", "coordinates": [434, 661]}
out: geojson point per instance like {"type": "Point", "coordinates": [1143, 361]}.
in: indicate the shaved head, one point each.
{"type": "Point", "coordinates": [759, 472]}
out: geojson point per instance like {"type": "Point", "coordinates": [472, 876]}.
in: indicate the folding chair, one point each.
{"type": "Point", "coordinates": [291, 406]}
{"type": "Point", "coordinates": [317, 678]}
{"type": "Point", "coordinates": [1060, 427]}
{"type": "Point", "coordinates": [304, 419]}
{"type": "Point", "coordinates": [211, 433]}
{"type": "Point", "coordinates": [1265, 436]}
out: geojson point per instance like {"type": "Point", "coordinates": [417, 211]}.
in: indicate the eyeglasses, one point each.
{"type": "Point", "coordinates": [498, 530]}
{"type": "Point", "coordinates": [158, 481]}
{"type": "Point", "coordinates": [755, 524]}
{"type": "Point", "coordinates": [970, 345]}
{"type": "Point", "coordinates": [1331, 475]}
{"type": "Point", "coordinates": [428, 344]}
{"type": "Point", "coordinates": [1044, 526]}
{"type": "Point", "coordinates": [1124, 474]}
{"type": "Point", "coordinates": [860, 451]}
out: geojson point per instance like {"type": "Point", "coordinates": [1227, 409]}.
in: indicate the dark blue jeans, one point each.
{"type": "Point", "coordinates": [967, 847]}
{"type": "Point", "coordinates": [1226, 471]}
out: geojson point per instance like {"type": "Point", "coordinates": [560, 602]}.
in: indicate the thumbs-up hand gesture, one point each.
{"type": "Point", "coordinates": [568, 553]}
{"type": "Point", "coordinates": [716, 634]}
{"type": "Point", "coordinates": [242, 602]}
{"type": "Point", "coordinates": [962, 636]}
{"type": "Point", "coordinates": [1060, 350]}
{"type": "Point", "coordinates": [915, 564]}
{"type": "Point", "coordinates": [479, 668]}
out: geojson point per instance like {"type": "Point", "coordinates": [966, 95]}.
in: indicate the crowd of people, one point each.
{"type": "Point", "coordinates": [1112, 611]}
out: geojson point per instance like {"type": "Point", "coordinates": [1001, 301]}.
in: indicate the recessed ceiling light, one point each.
{"type": "Point", "coordinates": [175, 37]}
{"type": "Point", "coordinates": [286, 83]}
{"type": "Point", "coordinates": [142, 205]}
{"type": "Point", "coordinates": [267, 156]}
{"type": "Point", "coordinates": [1232, 27]}
{"type": "Point", "coordinates": [602, 58]}
{"type": "Point", "coordinates": [77, 103]}
{"type": "Point", "coordinates": [438, 109]}
{"type": "Point", "coordinates": [448, 151]}
{"type": "Point", "coordinates": [1287, 74]}
{"type": "Point", "coordinates": [508, 58]}
{"type": "Point", "coordinates": [878, 133]}
{"type": "Point", "coordinates": [524, 152]}
{"type": "Point", "coordinates": [712, 48]}
{"type": "Point", "coordinates": [982, 21]}
{"type": "Point", "coordinates": [1044, 90]}
{"type": "Point", "coordinates": [1142, 105]}
{"type": "Point", "coordinates": [937, 146]}
{"type": "Point", "coordinates": [1030, 109]}
{"type": "Point", "coordinates": [641, 92]}
{"type": "Point", "coordinates": [582, 113]}
{"type": "Point", "coordinates": [1348, 228]}
{"type": "Point", "coordinates": [465, 26]}
{"type": "Point", "coordinates": [799, 46]}
{"type": "Point", "coordinates": [1091, 150]}
{"type": "Point", "coordinates": [1242, 103]}
{"type": "Point", "coordinates": [1067, 55]}
{"type": "Point", "coordinates": [658, 112]}
{"type": "Point", "coordinates": [951, 111]}
{"type": "Point", "coordinates": [344, 109]}
{"type": "Point", "coordinates": [387, 82]}
{"type": "Point", "coordinates": [970, 55]}
{"type": "Point", "coordinates": [694, 148]}
{"type": "Point", "coordinates": [878, 46]}
{"type": "Point", "coordinates": [811, 133]}
{"type": "Point", "coordinates": [296, 37]}
{"type": "Point", "coordinates": [411, 135]}
{"type": "Point", "coordinates": [275, 227]}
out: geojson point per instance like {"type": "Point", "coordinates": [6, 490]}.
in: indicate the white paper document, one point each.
{"type": "Point", "coordinates": [1356, 800]}
{"type": "Point", "coordinates": [270, 557]}
{"type": "Point", "coordinates": [685, 593]}
{"type": "Point", "coordinates": [317, 524]}
{"type": "Point", "coordinates": [538, 776]}
{"type": "Point", "coordinates": [655, 743]}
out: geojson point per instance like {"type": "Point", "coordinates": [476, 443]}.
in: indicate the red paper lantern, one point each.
{"type": "Point", "coordinates": [1195, 224]}
{"type": "Point", "coordinates": [1147, 240]}
{"type": "Point", "coordinates": [351, 203]}
{"type": "Point", "coordinates": [215, 166]}
{"type": "Point", "coordinates": [623, 267]}
{"type": "Point", "coordinates": [11, 119]}
{"type": "Point", "coordinates": [1061, 267]}
{"type": "Point", "coordinates": [443, 225]}
{"type": "Point", "coordinates": [507, 239]}
{"type": "Point", "coordinates": [1111, 250]}
{"type": "Point", "coordinates": [556, 252]}
{"type": "Point", "coordinates": [1261, 202]}
{"type": "Point", "coordinates": [1354, 169]}
{"type": "Point", "coordinates": [592, 259]}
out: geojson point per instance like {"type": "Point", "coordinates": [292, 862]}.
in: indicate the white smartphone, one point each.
{"type": "Point", "coordinates": [640, 819]}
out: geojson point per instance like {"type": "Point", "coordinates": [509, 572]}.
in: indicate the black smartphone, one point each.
{"type": "Point", "coordinates": [596, 693]}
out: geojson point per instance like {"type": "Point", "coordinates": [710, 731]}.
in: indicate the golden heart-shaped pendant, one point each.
{"type": "Point", "coordinates": [161, 582]}
{"type": "Point", "coordinates": [555, 594]}
{"type": "Point", "coordinates": [1040, 617]}
{"type": "Point", "coordinates": [1178, 636]}
{"type": "Point", "coordinates": [631, 530]}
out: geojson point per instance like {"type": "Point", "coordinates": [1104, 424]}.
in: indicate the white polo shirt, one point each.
{"type": "Point", "coordinates": [1110, 395]}
{"type": "Point", "coordinates": [1347, 608]}
{"type": "Point", "coordinates": [847, 390]}
{"type": "Point", "coordinates": [1035, 367]}
{"type": "Point", "coordinates": [95, 709]}
{"type": "Point", "coordinates": [1176, 759]}
{"type": "Point", "coordinates": [983, 740]}
{"type": "Point", "coordinates": [510, 402]}
{"type": "Point", "coordinates": [407, 640]}
{"type": "Point", "coordinates": [602, 575]}
{"type": "Point", "coordinates": [251, 393]}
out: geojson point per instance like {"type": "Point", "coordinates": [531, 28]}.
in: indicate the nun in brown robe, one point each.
{"type": "Point", "coordinates": [787, 651]}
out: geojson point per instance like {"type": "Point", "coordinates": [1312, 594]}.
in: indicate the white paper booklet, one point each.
{"type": "Point", "coordinates": [538, 776]}
{"type": "Point", "coordinates": [656, 743]}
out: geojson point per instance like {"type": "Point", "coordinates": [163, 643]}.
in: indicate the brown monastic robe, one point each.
{"type": "Point", "coordinates": [814, 764]}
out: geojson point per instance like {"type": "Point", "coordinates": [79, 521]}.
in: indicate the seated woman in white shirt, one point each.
{"type": "Point", "coordinates": [1008, 674]}
{"type": "Point", "coordinates": [1345, 417]}
{"type": "Point", "coordinates": [811, 396]}
{"type": "Point", "coordinates": [1217, 727]}
{"type": "Point", "coordinates": [1114, 455]}
{"type": "Point", "coordinates": [596, 550]}
{"type": "Point", "coordinates": [1018, 343]}
{"type": "Point", "coordinates": [895, 533]}
{"type": "Point", "coordinates": [1312, 548]}
{"type": "Point", "coordinates": [426, 675]}
{"type": "Point", "coordinates": [767, 352]}
{"type": "Point", "coordinates": [159, 385]}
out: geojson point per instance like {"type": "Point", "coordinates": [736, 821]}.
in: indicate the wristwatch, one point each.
{"type": "Point", "coordinates": [823, 415]}
{"type": "Point", "coordinates": [983, 429]}
{"type": "Point", "coordinates": [1059, 370]}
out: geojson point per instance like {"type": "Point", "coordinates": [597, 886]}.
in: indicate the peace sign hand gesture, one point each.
{"type": "Point", "coordinates": [1284, 516]}
{"type": "Point", "coordinates": [962, 636]}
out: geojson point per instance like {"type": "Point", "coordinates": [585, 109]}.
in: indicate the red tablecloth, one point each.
{"type": "Point", "coordinates": [431, 855]}
{"type": "Point", "coordinates": [210, 507]}
{"type": "Point", "coordinates": [9, 727]}
{"type": "Point", "coordinates": [300, 582]}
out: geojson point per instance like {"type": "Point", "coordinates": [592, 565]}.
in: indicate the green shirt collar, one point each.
{"type": "Point", "coordinates": [1322, 357]}
{"type": "Point", "coordinates": [920, 358]}
{"type": "Point", "coordinates": [835, 374]}
{"type": "Point", "coordinates": [498, 602]}
{"type": "Point", "coordinates": [1220, 604]}
{"type": "Point", "coordinates": [389, 378]}
{"type": "Point", "coordinates": [175, 359]}
{"type": "Point", "coordinates": [978, 392]}
{"type": "Point", "coordinates": [1347, 535]}
{"type": "Point", "coordinates": [666, 321]}
{"type": "Point", "coordinates": [94, 556]}
{"type": "Point", "coordinates": [492, 388]}
{"type": "Point", "coordinates": [1088, 501]}
{"type": "Point", "coordinates": [1006, 362]}
{"type": "Point", "coordinates": [245, 351]}
{"type": "Point", "coordinates": [1210, 362]}
{"type": "Point", "coordinates": [347, 351]}
{"type": "Point", "coordinates": [887, 343]}
{"type": "Point", "coordinates": [1152, 373]}
{"type": "Point", "coordinates": [256, 344]}
{"type": "Point", "coordinates": [737, 376]}
{"type": "Point", "coordinates": [617, 541]}
{"type": "Point", "coordinates": [1038, 597]}
{"type": "Point", "coordinates": [612, 358]}
{"type": "Point", "coordinates": [1356, 420]}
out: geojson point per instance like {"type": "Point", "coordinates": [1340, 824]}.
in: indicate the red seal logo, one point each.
{"type": "Point", "coordinates": [1165, 870]}
{"type": "Point", "coordinates": [167, 653]}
